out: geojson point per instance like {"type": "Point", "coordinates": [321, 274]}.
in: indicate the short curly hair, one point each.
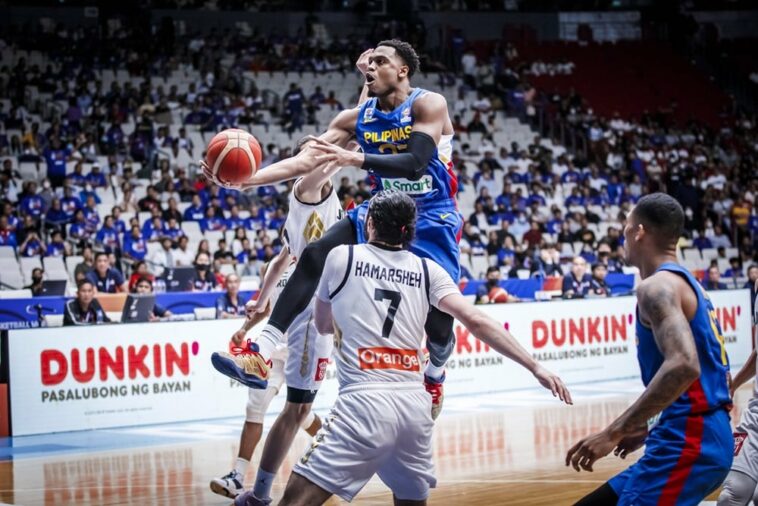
{"type": "Point", "coordinates": [394, 217]}
{"type": "Point", "coordinates": [406, 52]}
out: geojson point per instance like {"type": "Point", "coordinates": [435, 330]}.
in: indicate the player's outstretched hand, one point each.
{"type": "Point", "coordinates": [631, 443]}
{"type": "Point", "coordinates": [553, 383]}
{"type": "Point", "coordinates": [362, 62]}
{"type": "Point", "coordinates": [333, 155]}
{"type": "Point", "coordinates": [590, 449]}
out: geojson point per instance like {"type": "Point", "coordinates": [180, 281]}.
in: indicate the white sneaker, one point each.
{"type": "Point", "coordinates": [229, 485]}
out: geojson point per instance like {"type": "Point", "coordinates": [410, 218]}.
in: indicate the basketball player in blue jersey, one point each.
{"type": "Point", "coordinates": [682, 416]}
{"type": "Point", "coordinates": [405, 135]}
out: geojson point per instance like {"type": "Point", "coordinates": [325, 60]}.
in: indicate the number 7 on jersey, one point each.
{"type": "Point", "coordinates": [394, 298]}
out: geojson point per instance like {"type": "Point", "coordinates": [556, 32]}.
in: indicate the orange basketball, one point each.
{"type": "Point", "coordinates": [233, 157]}
{"type": "Point", "coordinates": [498, 295]}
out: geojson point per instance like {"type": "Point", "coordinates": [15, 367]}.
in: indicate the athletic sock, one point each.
{"type": "Point", "coordinates": [267, 341]}
{"type": "Point", "coordinates": [263, 483]}
{"type": "Point", "coordinates": [434, 372]}
{"type": "Point", "coordinates": [241, 466]}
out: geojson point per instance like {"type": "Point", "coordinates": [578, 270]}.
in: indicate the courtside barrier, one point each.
{"type": "Point", "coordinates": [77, 378]}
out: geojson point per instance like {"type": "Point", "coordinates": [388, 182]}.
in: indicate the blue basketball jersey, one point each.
{"type": "Point", "coordinates": [710, 391]}
{"type": "Point", "coordinates": [380, 132]}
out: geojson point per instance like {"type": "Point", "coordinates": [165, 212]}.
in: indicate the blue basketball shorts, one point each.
{"type": "Point", "coordinates": [686, 458]}
{"type": "Point", "coordinates": [438, 232]}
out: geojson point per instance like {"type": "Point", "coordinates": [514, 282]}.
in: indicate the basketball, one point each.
{"type": "Point", "coordinates": [498, 295]}
{"type": "Point", "coordinates": [233, 157]}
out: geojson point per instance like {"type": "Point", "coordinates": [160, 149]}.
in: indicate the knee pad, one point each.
{"type": "Point", "coordinates": [258, 402]}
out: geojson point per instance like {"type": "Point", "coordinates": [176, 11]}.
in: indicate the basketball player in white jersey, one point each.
{"type": "Point", "coordinates": [741, 484]}
{"type": "Point", "coordinates": [313, 208]}
{"type": "Point", "coordinates": [375, 298]}
{"type": "Point", "coordinates": [231, 485]}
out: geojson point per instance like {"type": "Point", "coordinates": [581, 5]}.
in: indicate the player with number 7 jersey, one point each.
{"type": "Point", "coordinates": [375, 298]}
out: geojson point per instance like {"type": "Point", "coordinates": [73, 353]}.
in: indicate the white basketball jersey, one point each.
{"type": "Point", "coordinates": [380, 299]}
{"type": "Point", "coordinates": [308, 222]}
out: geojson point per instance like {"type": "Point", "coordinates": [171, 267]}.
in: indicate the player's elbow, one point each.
{"type": "Point", "coordinates": [477, 323]}
{"type": "Point", "coordinates": [687, 368]}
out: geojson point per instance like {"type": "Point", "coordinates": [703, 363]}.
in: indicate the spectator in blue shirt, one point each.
{"type": "Point", "coordinates": [118, 223]}
{"type": "Point", "coordinates": [277, 220]}
{"type": "Point", "coordinates": [57, 246]}
{"type": "Point", "coordinates": [32, 245]}
{"type": "Point", "coordinates": [105, 278]}
{"type": "Point", "coordinates": [575, 199]}
{"type": "Point", "coordinates": [56, 156]}
{"type": "Point", "coordinates": [32, 204]}
{"type": "Point", "coordinates": [7, 234]}
{"type": "Point", "coordinates": [212, 222]}
{"type": "Point", "coordinates": [79, 229]}
{"type": "Point", "coordinates": [230, 305]}
{"type": "Point", "coordinates": [701, 241]}
{"type": "Point", "coordinates": [153, 229]}
{"type": "Point", "coordinates": [10, 213]}
{"type": "Point", "coordinates": [70, 203]}
{"type": "Point", "coordinates": [246, 253]}
{"type": "Point", "coordinates": [256, 220]}
{"type": "Point", "coordinates": [91, 215]}
{"type": "Point", "coordinates": [576, 284]}
{"type": "Point", "coordinates": [234, 220]}
{"type": "Point", "coordinates": [96, 178]}
{"type": "Point", "coordinates": [196, 211]}
{"type": "Point", "coordinates": [77, 178]}
{"type": "Point", "coordinates": [553, 226]}
{"type": "Point", "coordinates": [735, 268]}
{"type": "Point", "coordinates": [108, 235]}
{"type": "Point", "coordinates": [172, 229]}
{"type": "Point", "coordinates": [506, 250]}
{"type": "Point", "coordinates": [56, 216]}
{"type": "Point", "coordinates": [571, 176]}
{"type": "Point", "coordinates": [135, 246]}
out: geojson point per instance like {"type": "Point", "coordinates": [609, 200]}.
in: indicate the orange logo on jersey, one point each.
{"type": "Point", "coordinates": [389, 358]}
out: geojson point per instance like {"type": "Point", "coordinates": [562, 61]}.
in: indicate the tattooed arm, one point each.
{"type": "Point", "coordinates": [660, 308]}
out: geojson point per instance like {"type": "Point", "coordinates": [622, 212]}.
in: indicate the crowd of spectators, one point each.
{"type": "Point", "coordinates": [533, 203]}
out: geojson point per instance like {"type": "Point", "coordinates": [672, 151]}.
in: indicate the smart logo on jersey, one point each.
{"type": "Point", "coordinates": [389, 358]}
{"type": "Point", "coordinates": [420, 187]}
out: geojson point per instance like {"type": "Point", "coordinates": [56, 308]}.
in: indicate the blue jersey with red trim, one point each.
{"type": "Point", "coordinates": [710, 391]}
{"type": "Point", "coordinates": [380, 132]}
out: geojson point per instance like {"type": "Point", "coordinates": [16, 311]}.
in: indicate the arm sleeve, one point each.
{"type": "Point", "coordinates": [334, 272]}
{"type": "Point", "coordinates": [410, 164]}
{"type": "Point", "coordinates": [219, 306]}
{"type": "Point", "coordinates": [440, 284]}
{"type": "Point", "coordinates": [68, 315]}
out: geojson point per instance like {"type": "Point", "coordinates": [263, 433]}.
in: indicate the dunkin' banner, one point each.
{"type": "Point", "coordinates": [581, 340]}
{"type": "Point", "coordinates": [76, 378]}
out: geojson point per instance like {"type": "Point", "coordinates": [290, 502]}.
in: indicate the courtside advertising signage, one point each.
{"type": "Point", "coordinates": [77, 378]}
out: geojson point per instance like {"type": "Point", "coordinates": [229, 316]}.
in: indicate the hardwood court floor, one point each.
{"type": "Point", "coordinates": [494, 449]}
